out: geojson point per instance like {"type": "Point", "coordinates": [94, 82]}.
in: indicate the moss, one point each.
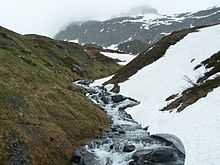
{"type": "Point", "coordinates": [39, 104]}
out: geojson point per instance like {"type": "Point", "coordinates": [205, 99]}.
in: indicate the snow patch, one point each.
{"type": "Point", "coordinates": [124, 58]}
{"type": "Point", "coordinates": [198, 125]}
{"type": "Point", "coordinates": [73, 41]}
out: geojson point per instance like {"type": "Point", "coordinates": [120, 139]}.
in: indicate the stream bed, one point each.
{"type": "Point", "coordinates": [126, 142]}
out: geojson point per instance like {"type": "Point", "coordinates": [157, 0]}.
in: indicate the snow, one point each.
{"type": "Point", "coordinates": [165, 34]}
{"type": "Point", "coordinates": [73, 41]}
{"type": "Point", "coordinates": [143, 18]}
{"type": "Point", "coordinates": [113, 47]}
{"type": "Point", "coordinates": [205, 16]}
{"type": "Point", "coordinates": [124, 58]}
{"type": "Point", "coordinates": [102, 30]}
{"type": "Point", "coordinates": [199, 124]}
{"type": "Point", "coordinates": [100, 81]}
{"type": "Point", "coordinates": [151, 20]}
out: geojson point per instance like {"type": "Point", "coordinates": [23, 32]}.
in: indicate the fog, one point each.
{"type": "Point", "coordinates": [47, 17]}
{"type": "Point", "coordinates": [142, 9]}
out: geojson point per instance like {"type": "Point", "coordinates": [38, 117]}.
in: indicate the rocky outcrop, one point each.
{"type": "Point", "coordinates": [205, 84]}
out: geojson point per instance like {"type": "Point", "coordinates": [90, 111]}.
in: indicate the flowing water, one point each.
{"type": "Point", "coordinates": [126, 142]}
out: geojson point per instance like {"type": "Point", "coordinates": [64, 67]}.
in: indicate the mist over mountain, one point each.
{"type": "Point", "coordinates": [141, 27]}
{"type": "Point", "coordinates": [123, 83]}
{"type": "Point", "coordinates": [140, 10]}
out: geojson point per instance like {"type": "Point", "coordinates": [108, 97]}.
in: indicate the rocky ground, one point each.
{"type": "Point", "coordinates": [125, 142]}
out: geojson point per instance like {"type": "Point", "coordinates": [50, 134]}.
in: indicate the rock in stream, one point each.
{"type": "Point", "coordinates": [126, 143]}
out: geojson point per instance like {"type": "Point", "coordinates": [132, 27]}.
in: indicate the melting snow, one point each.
{"type": "Point", "coordinates": [73, 41]}
{"type": "Point", "coordinates": [198, 125]}
{"type": "Point", "coordinates": [124, 58]}
{"type": "Point", "coordinates": [113, 47]}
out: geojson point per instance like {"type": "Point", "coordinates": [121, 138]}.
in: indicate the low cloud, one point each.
{"type": "Point", "coordinates": [47, 17]}
{"type": "Point", "coordinates": [140, 10]}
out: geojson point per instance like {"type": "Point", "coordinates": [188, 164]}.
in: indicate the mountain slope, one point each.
{"type": "Point", "coordinates": [184, 78]}
{"type": "Point", "coordinates": [135, 34]}
{"type": "Point", "coordinates": [42, 116]}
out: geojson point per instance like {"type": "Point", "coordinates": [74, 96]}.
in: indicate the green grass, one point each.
{"type": "Point", "coordinates": [39, 108]}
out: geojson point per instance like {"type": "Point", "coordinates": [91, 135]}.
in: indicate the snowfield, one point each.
{"type": "Point", "coordinates": [124, 58]}
{"type": "Point", "coordinates": [198, 126]}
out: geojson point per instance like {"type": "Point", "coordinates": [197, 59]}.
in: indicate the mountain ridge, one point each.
{"type": "Point", "coordinates": [118, 32]}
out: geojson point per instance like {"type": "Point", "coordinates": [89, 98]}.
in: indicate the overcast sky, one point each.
{"type": "Point", "coordinates": [46, 17]}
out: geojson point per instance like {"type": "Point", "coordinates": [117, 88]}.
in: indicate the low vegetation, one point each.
{"type": "Point", "coordinates": [43, 117]}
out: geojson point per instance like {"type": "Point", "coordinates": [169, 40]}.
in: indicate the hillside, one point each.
{"type": "Point", "coordinates": [134, 34]}
{"type": "Point", "coordinates": [178, 74]}
{"type": "Point", "coordinates": [43, 117]}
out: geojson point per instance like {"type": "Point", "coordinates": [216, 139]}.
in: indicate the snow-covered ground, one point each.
{"type": "Point", "coordinates": [124, 58]}
{"type": "Point", "coordinates": [198, 125]}
{"type": "Point", "coordinates": [73, 41]}
{"type": "Point", "coordinates": [150, 20]}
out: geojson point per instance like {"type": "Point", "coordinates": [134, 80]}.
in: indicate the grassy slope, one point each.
{"type": "Point", "coordinates": [42, 117]}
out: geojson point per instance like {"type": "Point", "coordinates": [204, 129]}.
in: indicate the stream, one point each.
{"type": "Point", "coordinates": [126, 142]}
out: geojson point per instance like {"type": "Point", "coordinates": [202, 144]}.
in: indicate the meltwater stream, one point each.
{"type": "Point", "coordinates": [126, 142]}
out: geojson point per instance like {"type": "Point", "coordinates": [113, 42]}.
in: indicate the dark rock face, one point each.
{"type": "Point", "coordinates": [133, 47]}
{"type": "Point", "coordinates": [126, 141]}
{"type": "Point", "coordinates": [132, 34]}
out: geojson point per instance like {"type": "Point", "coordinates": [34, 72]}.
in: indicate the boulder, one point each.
{"type": "Point", "coordinates": [85, 82]}
{"type": "Point", "coordinates": [105, 99]}
{"type": "Point", "coordinates": [76, 158]}
{"type": "Point", "coordinates": [129, 148]}
{"type": "Point", "coordinates": [116, 88]}
{"type": "Point", "coordinates": [89, 159]}
{"type": "Point", "coordinates": [146, 128]}
{"type": "Point", "coordinates": [163, 155]}
{"type": "Point", "coordinates": [118, 98]}
{"type": "Point", "coordinates": [121, 131]}
{"type": "Point", "coordinates": [174, 140]}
